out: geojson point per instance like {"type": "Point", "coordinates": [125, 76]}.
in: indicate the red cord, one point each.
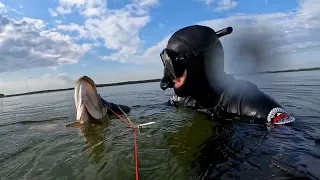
{"type": "Point", "coordinates": [136, 152]}
{"type": "Point", "coordinates": [135, 140]}
{"type": "Point", "coordinates": [120, 117]}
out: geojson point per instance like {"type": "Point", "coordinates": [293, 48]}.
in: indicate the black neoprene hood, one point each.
{"type": "Point", "coordinates": [201, 51]}
{"type": "Point", "coordinates": [196, 39]}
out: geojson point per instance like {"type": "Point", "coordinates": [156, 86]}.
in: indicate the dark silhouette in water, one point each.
{"type": "Point", "coordinates": [223, 150]}
{"type": "Point", "coordinates": [206, 147]}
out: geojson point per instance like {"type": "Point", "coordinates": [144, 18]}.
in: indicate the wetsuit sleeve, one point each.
{"type": "Point", "coordinates": [255, 103]}
{"type": "Point", "coordinates": [116, 107]}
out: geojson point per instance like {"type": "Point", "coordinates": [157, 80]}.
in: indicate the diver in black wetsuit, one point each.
{"type": "Point", "coordinates": [194, 66]}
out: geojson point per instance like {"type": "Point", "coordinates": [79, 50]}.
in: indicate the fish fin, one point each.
{"type": "Point", "coordinates": [74, 124]}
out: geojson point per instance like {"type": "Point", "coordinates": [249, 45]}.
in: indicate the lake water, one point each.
{"type": "Point", "coordinates": [182, 144]}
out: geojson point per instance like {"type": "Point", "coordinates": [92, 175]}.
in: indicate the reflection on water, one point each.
{"type": "Point", "coordinates": [94, 142]}
{"type": "Point", "coordinates": [182, 144]}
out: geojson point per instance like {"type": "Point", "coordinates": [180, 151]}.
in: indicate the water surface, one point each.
{"type": "Point", "coordinates": [182, 144]}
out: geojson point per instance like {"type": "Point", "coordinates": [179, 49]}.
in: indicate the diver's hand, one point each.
{"type": "Point", "coordinates": [174, 100]}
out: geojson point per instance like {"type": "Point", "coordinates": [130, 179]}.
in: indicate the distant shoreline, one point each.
{"type": "Point", "coordinates": [281, 71]}
{"type": "Point", "coordinates": [152, 80]}
{"type": "Point", "coordinates": [98, 85]}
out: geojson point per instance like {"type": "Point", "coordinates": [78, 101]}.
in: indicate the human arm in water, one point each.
{"type": "Point", "coordinates": [117, 108]}
{"type": "Point", "coordinates": [252, 102]}
{"type": "Point", "coordinates": [244, 101]}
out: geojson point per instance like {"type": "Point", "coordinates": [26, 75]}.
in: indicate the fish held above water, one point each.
{"type": "Point", "coordinates": [90, 106]}
{"type": "Point", "coordinates": [87, 101]}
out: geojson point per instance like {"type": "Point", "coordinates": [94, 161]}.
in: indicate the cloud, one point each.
{"type": "Point", "coordinates": [47, 81]}
{"type": "Point", "coordinates": [128, 73]}
{"type": "Point", "coordinates": [207, 2]}
{"type": "Point", "coordinates": [222, 5]}
{"type": "Point", "coordinates": [52, 12]}
{"type": "Point", "coordinates": [26, 43]}
{"type": "Point", "coordinates": [58, 21]}
{"type": "Point", "coordinates": [161, 25]}
{"type": "Point", "coordinates": [87, 8]}
{"type": "Point", "coordinates": [3, 8]}
{"type": "Point", "coordinates": [124, 25]}
{"type": "Point", "coordinates": [225, 5]}
{"type": "Point", "coordinates": [122, 31]}
{"type": "Point", "coordinates": [34, 23]}
{"type": "Point", "coordinates": [274, 35]}
{"type": "Point", "coordinates": [281, 32]}
{"type": "Point", "coordinates": [149, 56]}
{"type": "Point", "coordinates": [41, 46]}
{"type": "Point", "coordinates": [82, 31]}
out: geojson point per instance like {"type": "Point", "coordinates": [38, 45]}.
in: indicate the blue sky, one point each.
{"type": "Point", "coordinates": [50, 44]}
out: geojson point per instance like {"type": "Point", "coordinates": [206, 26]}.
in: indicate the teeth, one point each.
{"type": "Point", "coordinates": [286, 121]}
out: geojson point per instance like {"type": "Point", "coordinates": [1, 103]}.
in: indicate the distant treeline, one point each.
{"type": "Point", "coordinates": [154, 80]}
{"type": "Point", "coordinates": [280, 71]}
{"type": "Point", "coordinates": [98, 85]}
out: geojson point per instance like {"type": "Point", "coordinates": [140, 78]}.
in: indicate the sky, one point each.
{"type": "Point", "coordinates": [50, 44]}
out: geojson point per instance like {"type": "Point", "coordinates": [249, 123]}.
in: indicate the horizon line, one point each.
{"type": "Point", "coordinates": [152, 80]}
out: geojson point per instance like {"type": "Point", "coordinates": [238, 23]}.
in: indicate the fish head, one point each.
{"type": "Point", "coordinates": [87, 100]}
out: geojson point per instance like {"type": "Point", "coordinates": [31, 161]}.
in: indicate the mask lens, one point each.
{"type": "Point", "coordinates": [167, 63]}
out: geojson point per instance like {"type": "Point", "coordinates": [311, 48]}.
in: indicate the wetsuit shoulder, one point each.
{"type": "Point", "coordinates": [246, 99]}
{"type": "Point", "coordinates": [117, 108]}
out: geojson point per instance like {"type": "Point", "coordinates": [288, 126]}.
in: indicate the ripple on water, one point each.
{"type": "Point", "coordinates": [180, 145]}
{"type": "Point", "coordinates": [24, 153]}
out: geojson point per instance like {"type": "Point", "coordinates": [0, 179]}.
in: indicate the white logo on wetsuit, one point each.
{"type": "Point", "coordinates": [279, 116]}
